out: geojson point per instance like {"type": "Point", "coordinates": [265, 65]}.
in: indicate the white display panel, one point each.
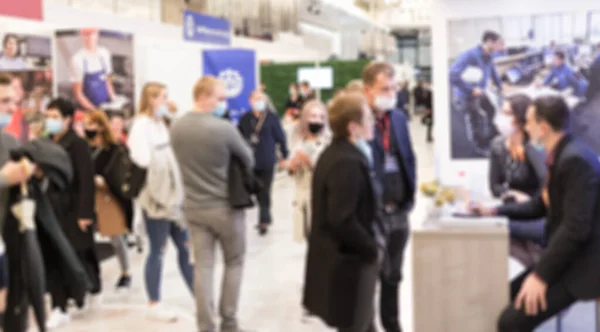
{"type": "Point", "coordinates": [178, 68]}
{"type": "Point", "coordinates": [318, 77]}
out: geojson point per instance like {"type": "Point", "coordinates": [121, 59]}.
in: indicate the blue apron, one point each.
{"type": "Point", "coordinates": [94, 84]}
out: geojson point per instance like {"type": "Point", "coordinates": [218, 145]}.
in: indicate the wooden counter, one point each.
{"type": "Point", "coordinates": [460, 275]}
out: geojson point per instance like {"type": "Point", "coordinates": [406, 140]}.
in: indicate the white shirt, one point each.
{"type": "Point", "coordinates": [93, 61]}
{"type": "Point", "coordinates": [145, 134]}
{"type": "Point", "coordinates": [12, 64]}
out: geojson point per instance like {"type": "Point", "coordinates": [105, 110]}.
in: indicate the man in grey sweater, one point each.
{"type": "Point", "coordinates": [203, 144]}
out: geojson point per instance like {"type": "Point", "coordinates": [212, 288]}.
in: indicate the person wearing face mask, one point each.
{"type": "Point", "coordinates": [115, 211]}
{"type": "Point", "coordinates": [567, 270]}
{"type": "Point", "coordinates": [394, 165]}
{"type": "Point", "coordinates": [346, 241]}
{"type": "Point", "coordinates": [313, 137]}
{"type": "Point", "coordinates": [205, 145]}
{"type": "Point", "coordinates": [517, 173]}
{"type": "Point", "coordinates": [263, 130]}
{"type": "Point", "coordinates": [161, 199]}
{"type": "Point", "coordinates": [74, 208]}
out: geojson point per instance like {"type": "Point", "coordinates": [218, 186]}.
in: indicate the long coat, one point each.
{"type": "Point", "coordinates": [77, 201]}
{"type": "Point", "coordinates": [343, 242]}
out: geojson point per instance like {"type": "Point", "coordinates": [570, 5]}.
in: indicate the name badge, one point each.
{"type": "Point", "coordinates": [390, 164]}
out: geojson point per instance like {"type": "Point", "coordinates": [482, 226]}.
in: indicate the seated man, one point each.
{"type": "Point", "coordinates": [567, 270]}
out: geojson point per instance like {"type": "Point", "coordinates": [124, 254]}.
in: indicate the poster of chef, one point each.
{"type": "Point", "coordinates": [95, 69]}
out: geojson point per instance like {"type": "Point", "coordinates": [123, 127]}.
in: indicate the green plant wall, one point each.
{"type": "Point", "coordinates": [277, 78]}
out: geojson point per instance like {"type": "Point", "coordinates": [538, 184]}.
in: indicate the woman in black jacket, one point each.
{"type": "Point", "coordinates": [517, 168]}
{"type": "Point", "coordinates": [74, 208]}
{"type": "Point", "coordinates": [107, 153]}
{"type": "Point", "coordinates": [345, 244]}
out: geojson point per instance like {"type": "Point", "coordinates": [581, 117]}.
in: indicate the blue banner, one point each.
{"type": "Point", "coordinates": [205, 28]}
{"type": "Point", "coordinates": [237, 68]}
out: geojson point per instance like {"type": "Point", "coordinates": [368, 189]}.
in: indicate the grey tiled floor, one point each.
{"type": "Point", "coordinates": [272, 282]}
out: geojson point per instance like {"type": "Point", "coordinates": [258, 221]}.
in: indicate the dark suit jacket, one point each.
{"type": "Point", "coordinates": [343, 238]}
{"type": "Point", "coordinates": [401, 136]}
{"type": "Point", "coordinates": [573, 220]}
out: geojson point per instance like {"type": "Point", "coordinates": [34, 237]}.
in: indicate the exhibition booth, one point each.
{"type": "Point", "coordinates": [52, 52]}
{"type": "Point", "coordinates": [460, 270]}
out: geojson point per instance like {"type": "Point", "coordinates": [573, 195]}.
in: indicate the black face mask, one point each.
{"type": "Point", "coordinates": [315, 128]}
{"type": "Point", "coordinates": [90, 134]}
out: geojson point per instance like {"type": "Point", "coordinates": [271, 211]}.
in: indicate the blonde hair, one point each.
{"type": "Point", "coordinates": [355, 86]}
{"type": "Point", "coordinates": [150, 91]}
{"type": "Point", "coordinates": [205, 86]}
{"type": "Point", "coordinates": [101, 120]}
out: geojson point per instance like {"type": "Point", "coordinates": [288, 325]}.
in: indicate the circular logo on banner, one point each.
{"type": "Point", "coordinates": [233, 80]}
{"type": "Point", "coordinates": [190, 26]}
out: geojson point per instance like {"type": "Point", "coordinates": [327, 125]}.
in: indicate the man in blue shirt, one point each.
{"type": "Point", "coordinates": [562, 76]}
{"type": "Point", "coordinates": [478, 57]}
{"type": "Point", "coordinates": [263, 130]}
{"type": "Point", "coordinates": [471, 131]}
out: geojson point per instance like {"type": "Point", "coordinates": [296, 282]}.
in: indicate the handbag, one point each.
{"type": "Point", "coordinates": [130, 177]}
{"type": "Point", "coordinates": [110, 217]}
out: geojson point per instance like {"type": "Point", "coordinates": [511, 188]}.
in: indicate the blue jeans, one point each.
{"type": "Point", "coordinates": [158, 231]}
{"type": "Point", "coordinates": [530, 230]}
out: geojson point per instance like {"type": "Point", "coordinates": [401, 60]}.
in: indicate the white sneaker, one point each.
{"type": "Point", "coordinates": [57, 319]}
{"type": "Point", "coordinates": [160, 313]}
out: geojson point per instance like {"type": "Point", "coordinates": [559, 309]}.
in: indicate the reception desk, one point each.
{"type": "Point", "coordinates": [460, 274]}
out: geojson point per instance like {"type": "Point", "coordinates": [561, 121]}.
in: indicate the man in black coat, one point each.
{"type": "Point", "coordinates": [74, 208]}
{"type": "Point", "coordinates": [346, 241]}
{"type": "Point", "coordinates": [395, 170]}
{"type": "Point", "coordinates": [568, 269]}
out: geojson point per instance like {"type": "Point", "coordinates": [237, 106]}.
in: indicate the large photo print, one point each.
{"type": "Point", "coordinates": [27, 58]}
{"type": "Point", "coordinates": [494, 59]}
{"type": "Point", "coordinates": [95, 69]}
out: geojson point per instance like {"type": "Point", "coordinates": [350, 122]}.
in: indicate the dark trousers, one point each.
{"type": "Point", "coordinates": [513, 320]}
{"type": "Point", "coordinates": [89, 260]}
{"type": "Point", "coordinates": [392, 272]}
{"type": "Point", "coordinates": [365, 311]}
{"type": "Point", "coordinates": [264, 196]}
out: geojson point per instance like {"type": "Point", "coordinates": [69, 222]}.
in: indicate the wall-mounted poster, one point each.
{"type": "Point", "coordinates": [95, 69]}
{"type": "Point", "coordinates": [494, 59]}
{"type": "Point", "coordinates": [27, 58]}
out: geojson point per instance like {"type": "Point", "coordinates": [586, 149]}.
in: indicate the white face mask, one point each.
{"type": "Point", "coordinates": [385, 103]}
{"type": "Point", "coordinates": [504, 123]}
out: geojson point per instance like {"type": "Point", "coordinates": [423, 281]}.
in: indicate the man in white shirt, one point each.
{"type": "Point", "coordinates": [90, 70]}
{"type": "Point", "coordinates": [10, 60]}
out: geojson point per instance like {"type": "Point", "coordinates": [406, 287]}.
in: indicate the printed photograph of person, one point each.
{"type": "Point", "coordinates": [497, 57]}
{"type": "Point", "coordinates": [95, 68]}
{"type": "Point", "coordinates": [24, 52]}
{"type": "Point", "coordinates": [32, 90]}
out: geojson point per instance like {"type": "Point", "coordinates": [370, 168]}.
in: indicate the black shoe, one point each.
{"type": "Point", "coordinates": [263, 229]}
{"type": "Point", "coordinates": [123, 283]}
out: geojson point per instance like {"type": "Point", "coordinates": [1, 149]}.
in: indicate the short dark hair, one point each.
{"type": "Point", "coordinates": [345, 108]}
{"type": "Point", "coordinates": [305, 84]}
{"type": "Point", "coordinates": [553, 110]}
{"type": "Point", "coordinates": [9, 36]}
{"type": "Point", "coordinates": [372, 70]}
{"type": "Point", "coordinates": [490, 36]}
{"type": "Point", "coordinates": [519, 104]}
{"type": "Point", "coordinates": [5, 79]}
{"type": "Point", "coordinates": [560, 54]}
{"type": "Point", "coordinates": [64, 106]}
